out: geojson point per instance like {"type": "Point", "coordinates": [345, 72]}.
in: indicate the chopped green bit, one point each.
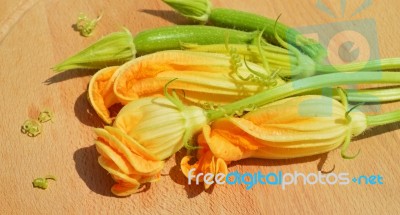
{"type": "Point", "coordinates": [45, 115]}
{"type": "Point", "coordinates": [85, 25]}
{"type": "Point", "coordinates": [31, 127]}
{"type": "Point", "coordinates": [42, 182]}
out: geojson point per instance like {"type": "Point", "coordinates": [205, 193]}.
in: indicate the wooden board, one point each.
{"type": "Point", "coordinates": [35, 35]}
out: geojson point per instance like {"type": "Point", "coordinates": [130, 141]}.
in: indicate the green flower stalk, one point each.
{"type": "Point", "coordinates": [306, 85]}
{"type": "Point", "coordinates": [385, 64]}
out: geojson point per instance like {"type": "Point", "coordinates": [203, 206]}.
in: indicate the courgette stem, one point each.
{"type": "Point", "coordinates": [377, 95]}
{"type": "Point", "coordinates": [383, 119]}
{"type": "Point", "coordinates": [305, 85]}
{"type": "Point", "coordinates": [373, 95]}
{"type": "Point", "coordinates": [372, 65]}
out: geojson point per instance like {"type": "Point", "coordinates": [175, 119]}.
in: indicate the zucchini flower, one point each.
{"type": "Point", "coordinates": [128, 162]}
{"type": "Point", "coordinates": [289, 128]}
{"type": "Point", "coordinates": [200, 78]}
{"type": "Point", "coordinates": [144, 134]}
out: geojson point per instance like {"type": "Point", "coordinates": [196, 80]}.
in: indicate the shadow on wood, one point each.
{"type": "Point", "coordinates": [178, 177]}
{"type": "Point", "coordinates": [321, 165]}
{"type": "Point", "coordinates": [85, 113]}
{"type": "Point", "coordinates": [169, 16]}
{"type": "Point", "coordinates": [96, 178]}
{"type": "Point", "coordinates": [378, 130]}
{"type": "Point", "coordinates": [69, 74]}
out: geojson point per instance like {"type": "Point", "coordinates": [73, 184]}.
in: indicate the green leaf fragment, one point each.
{"type": "Point", "coordinates": [85, 25]}
{"type": "Point", "coordinates": [31, 127]}
{"type": "Point", "coordinates": [42, 182]}
{"type": "Point", "coordinates": [45, 116]}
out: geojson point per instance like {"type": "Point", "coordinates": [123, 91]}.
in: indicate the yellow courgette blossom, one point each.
{"type": "Point", "coordinates": [200, 78]}
{"type": "Point", "coordinates": [290, 128]}
{"type": "Point", "coordinates": [144, 134]}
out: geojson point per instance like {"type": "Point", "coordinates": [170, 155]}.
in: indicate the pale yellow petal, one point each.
{"type": "Point", "coordinates": [129, 142]}
{"type": "Point", "coordinates": [268, 152]}
{"type": "Point", "coordinates": [119, 161]}
{"type": "Point", "coordinates": [139, 163]}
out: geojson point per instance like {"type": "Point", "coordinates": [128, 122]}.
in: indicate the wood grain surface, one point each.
{"type": "Point", "coordinates": [35, 35]}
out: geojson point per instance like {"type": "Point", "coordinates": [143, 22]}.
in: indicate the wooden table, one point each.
{"type": "Point", "coordinates": [35, 35]}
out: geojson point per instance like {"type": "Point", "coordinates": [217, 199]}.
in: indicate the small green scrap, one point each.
{"type": "Point", "coordinates": [42, 182]}
{"type": "Point", "coordinates": [85, 25]}
{"type": "Point", "coordinates": [31, 127]}
{"type": "Point", "coordinates": [46, 115]}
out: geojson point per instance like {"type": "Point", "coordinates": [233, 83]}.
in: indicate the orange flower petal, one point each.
{"type": "Point", "coordinates": [196, 73]}
{"type": "Point", "coordinates": [207, 163]}
{"type": "Point", "coordinates": [100, 92]}
{"type": "Point", "coordinates": [224, 144]}
{"type": "Point", "coordinates": [124, 189]}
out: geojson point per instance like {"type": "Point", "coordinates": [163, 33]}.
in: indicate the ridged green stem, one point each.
{"type": "Point", "coordinates": [305, 85]}
{"type": "Point", "coordinates": [383, 119]}
{"type": "Point", "coordinates": [373, 65]}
